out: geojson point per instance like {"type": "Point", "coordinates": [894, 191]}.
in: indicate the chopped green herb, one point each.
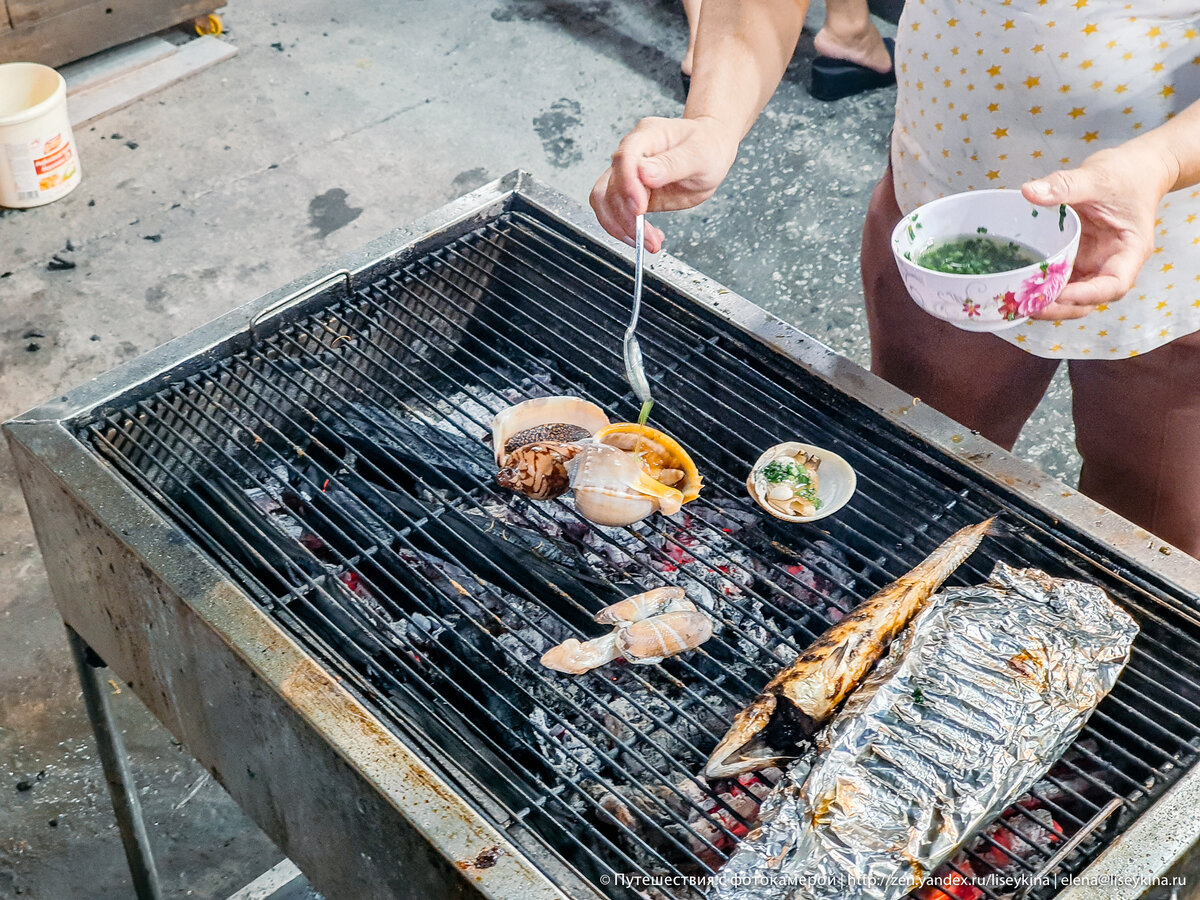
{"type": "Point", "coordinates": [1035, 212]}
{"type": "Point", "coordinates": [1062, 215]}
{"type": "Point", "coordinates": [778, 471]}
{"type": "Point", "coordinates": [977, 255]}
{"type": "Point", "coordinates": [918, 696]}
{"type": "Point", "coordinates": [981, 230]}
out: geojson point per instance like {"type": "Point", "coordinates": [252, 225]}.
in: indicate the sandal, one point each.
{"type": "Point", "coordinates": [834, 79]}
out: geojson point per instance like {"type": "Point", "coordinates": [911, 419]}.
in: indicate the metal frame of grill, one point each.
{"type": "Point", "coordinates": [125, 569]}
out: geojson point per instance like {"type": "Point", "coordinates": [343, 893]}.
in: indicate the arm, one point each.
{"type": "Point", "coordinates": [742, 50]}
{"type": "Point", "coordinates": [1116, 193]}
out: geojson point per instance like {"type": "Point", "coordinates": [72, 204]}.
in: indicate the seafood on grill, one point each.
{"type": "Point", "coordinates": [784, 482]}
{"type": "Point", "coordinates": [574, 657]}
{"type": "Point", "coordinates": [648, 628]}
{"type": "Point", "coordinates": [668, 634]}
{"type": "Point", "coordinates": [644, 605]}
{"type": "Point", "coordinates": [534, 440]}
{"type": "Point", "coordinates": [629, 471]}
{"type": "Point", "coordinates": [801, 483]}
{"type": "Point", "coordinates": [804, 695]}
{"type": "Point", "coordinates": [985, 690]}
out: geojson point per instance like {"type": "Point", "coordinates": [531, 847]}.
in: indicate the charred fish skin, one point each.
{"type": "Point", "coordinates": [797, 701]}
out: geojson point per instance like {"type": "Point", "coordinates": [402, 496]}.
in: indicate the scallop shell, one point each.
{"type": "Point", "coordinates": [663, 458]}
{"type": "Point", "coordinates": [653, 640]}
{"type": "Point", "coordinates": [644, 605]}
{"type": "Point", "coordinates": [533, 441]}
{"type": "Point", "coordinates": [559, 419]}
{"type": "Point", "coordinates": [574, 657]}
{"type": "Point", "coordinates": [835, 487]}
{"type": "Point", "coordinates": [611, 488]}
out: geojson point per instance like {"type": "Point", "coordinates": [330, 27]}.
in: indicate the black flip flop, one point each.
{"type": "Point", "coordinates": [834, 79]}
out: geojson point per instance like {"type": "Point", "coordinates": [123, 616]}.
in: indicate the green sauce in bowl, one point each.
{"type": "Point", "coordinates": [977, 254]}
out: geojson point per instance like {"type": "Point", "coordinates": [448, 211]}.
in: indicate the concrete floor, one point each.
{"type": "Point", "coordinates": [327, 129]}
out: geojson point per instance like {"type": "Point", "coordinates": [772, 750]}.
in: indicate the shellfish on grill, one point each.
{"type": "Point", "coordinates": [574, 657]}
{"type": "Point", "coordinates": [667, 634]}
{"type": "Point", "coordinates": [644, 605]}
{"type": "Point", "coordinates": [629, 471]}
{"type": "Point", "coordinates": [785, 482]}
{"type": "Point", "coordinates": [534, 440]}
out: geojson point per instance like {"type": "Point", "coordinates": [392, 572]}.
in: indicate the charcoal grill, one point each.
{"type": "Point", "coordinates": [282, 531]}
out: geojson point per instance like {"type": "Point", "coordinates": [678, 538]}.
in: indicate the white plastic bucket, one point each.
{"type": "Point", "coordinates": [38, 160]}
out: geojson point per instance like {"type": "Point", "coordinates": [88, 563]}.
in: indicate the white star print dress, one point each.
{"type": "Point", "coordinates": [993, 93]}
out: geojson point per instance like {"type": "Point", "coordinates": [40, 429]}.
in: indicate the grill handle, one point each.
{"type": "Point", "coordinates": [297, 297]}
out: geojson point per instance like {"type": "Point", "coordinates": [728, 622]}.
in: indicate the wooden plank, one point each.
{"type": "Point", "coordinates": [116, 93]}
{"type": "Point", "coordinates": [4, 23]}
{"type": "Point", "coordinates": [96, 26]}
{"type": "Point", "coordinates": [30, 12]}
{"type": "Point", "coordinates": [95, 70]}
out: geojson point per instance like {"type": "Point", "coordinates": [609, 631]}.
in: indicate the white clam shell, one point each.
{"type": "Point", "coordinates": [835, 486]}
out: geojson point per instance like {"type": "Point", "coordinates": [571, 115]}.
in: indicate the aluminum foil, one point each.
{"type": "Point", "coordinates": [975, 701]}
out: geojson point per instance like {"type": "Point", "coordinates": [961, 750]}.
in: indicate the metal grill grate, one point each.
{"type": "Point", "coordinates": [337, 470]}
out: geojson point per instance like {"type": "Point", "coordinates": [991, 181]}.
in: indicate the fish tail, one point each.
{"type": "Point", "coordinates": [942, 562]}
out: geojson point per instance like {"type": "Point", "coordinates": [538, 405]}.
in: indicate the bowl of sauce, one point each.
{"type": "Point", "coordinates": [986, 260]}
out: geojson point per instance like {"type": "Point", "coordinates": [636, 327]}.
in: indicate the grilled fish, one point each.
{"type": "Point", "coordinates": [797, 701]}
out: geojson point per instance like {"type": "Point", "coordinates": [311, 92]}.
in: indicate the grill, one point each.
{"type": "Point", "coordinates": [315, 468]}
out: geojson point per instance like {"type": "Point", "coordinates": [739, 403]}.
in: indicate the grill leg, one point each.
{"type": "Point", "coordinates": [116, 772]}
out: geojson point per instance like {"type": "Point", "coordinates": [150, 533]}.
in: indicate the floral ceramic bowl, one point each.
{"type": "Point", "coordinates": [996, 301]}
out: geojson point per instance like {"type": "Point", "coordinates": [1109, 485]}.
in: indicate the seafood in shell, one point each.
{"type": "Point", "coordinates": [648, 628]}
{"type": "Point", "coordinates": [538, 470]}
{"type": "Point", "coordinates": [644, 605]}
{"type": "Point", "coordinates": [574, 657]}
{"type": "Point", "coordinates": [663, 458]}
{"type": "Point", "coordinates": [534, 440]}
{"type": "Point", "coordinates": [628, 472]}
{"type": "Point", "coordinates": [654, 639]}
{"type": "Point", "coordinates": [784, 482]}
{"type": "Point", "coordinates": [804, 695]}
{"type": "Point", "coordinates": [612, 488]}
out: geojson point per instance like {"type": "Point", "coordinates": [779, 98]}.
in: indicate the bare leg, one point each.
{"type": "Point", "coordinates": [848, 34]}
{"type": "Point", "coordinates": [691, 9]}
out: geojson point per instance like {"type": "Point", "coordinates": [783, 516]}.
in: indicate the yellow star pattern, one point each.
{"type": "Point", "coordinates": [1136, 67]}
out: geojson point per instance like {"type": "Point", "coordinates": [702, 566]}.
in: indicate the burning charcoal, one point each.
{"type": "Point", "coordinates": [525, 644]}
{"type": "Point", "coordinates": [407, 450]}
{"type": "Point", "coordinates": [720, 821]}
{"type": "Point", "coordinates": [628, 719]}
{"type": "Point", "coordinates": [560, 747]}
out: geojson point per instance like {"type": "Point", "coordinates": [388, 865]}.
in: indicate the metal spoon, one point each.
{"type": "Point", "coordinates": [635, 371]}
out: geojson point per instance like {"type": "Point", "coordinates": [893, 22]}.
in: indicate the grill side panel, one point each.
{"type": "Point", "coordinates": [273, 728]}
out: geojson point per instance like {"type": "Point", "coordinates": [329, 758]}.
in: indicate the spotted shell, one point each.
{"type": "Point", "coordinates": [537, 470]}
{"type": "Point", "coordinates": [533, 441]}
{"type": "Point", "coordinates": [653, 640]}
{"type": "Point", "coordinates": [557, 419]}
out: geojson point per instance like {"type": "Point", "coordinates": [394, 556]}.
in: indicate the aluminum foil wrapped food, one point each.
{"type": "Point", "coordinates": [985, 690]}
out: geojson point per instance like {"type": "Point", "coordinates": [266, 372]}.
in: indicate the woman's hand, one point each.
{"type": "Point", "coordinates": [1116, 193]}
{"type": "Point", "coordinates": [663, 164]}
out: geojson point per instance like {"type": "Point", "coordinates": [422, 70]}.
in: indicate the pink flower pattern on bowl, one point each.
{"type": "Point", "coordinates": [971, 308]}
{"type": "Point", "coordinates": [1039, 291]}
